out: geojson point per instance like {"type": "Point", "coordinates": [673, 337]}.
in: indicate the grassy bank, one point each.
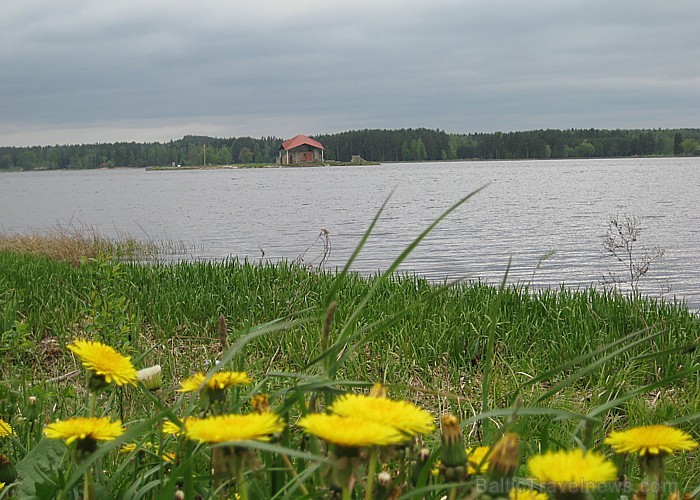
{"type": "Point", "coordinates": [469, 349]}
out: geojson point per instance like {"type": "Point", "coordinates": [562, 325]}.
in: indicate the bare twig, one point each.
{"type": "Point", "coordinates": [621, 242]}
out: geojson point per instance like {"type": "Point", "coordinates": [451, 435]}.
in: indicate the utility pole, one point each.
{"type": "Point", "coordinates": [205, 154]}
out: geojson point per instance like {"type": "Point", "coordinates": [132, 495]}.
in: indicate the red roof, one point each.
{"type": "Point", "coordinates": [300, 140]}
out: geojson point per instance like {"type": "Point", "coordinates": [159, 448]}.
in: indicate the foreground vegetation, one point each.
{"type": "Point", "coordinates": [255, 381]}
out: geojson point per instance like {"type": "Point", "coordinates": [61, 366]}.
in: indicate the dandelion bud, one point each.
{"type": "Point", "coordinates": [378, 391]}
{"type": "Point", "coordinates": [421, 459]}
{"type": "Point", "coordinates": [641, 493]}
{"type": "Point", "coordinates": [260, 403]}
{"type": "Point", "coordinates": [32, 408]}
{"type": "Point", "coordinates": [7, 471]}
{"type": "Point", "coordinates": [223, 333]}
{"type": "Point", "coordinates": [150, 377]}
{"type": "Point", "coordinates": [505, 456]}
{"type": "Point", "coordinates": [454, 454]}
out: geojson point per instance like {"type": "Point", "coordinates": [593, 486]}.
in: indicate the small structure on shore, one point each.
{"type": "Point", "coordinates": [300, 149]}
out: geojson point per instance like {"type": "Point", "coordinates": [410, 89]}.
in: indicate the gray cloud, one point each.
{"type": "Point", "coordinates": [83, 71]}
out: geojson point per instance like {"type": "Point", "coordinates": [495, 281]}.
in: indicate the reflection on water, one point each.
{"type": "Point", "coordinates": [529, 210]}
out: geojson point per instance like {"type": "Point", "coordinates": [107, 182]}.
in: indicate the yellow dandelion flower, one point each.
{"type": "Point", "coordinates": [475, 457]}
{"type": "Point", "coordinates": [650, 440]}
{"type": "Point", "coordinates": [223, 428]}
{"type": "Point", "coordinates": [475, 460]}
{"type": "Point", "coordinates": [350, 432]}
{"type": "Point", "coordinates": [127, 448]}
{"type": "Point", "coordinates": [523, 494]}
{"type": "Point", "coordinates": [167, 456]}
{"type": "Point", "coordinates": [401, 415]}
{"type": "Point", "coordinates": [105, 362]}
{"type": "Point", "coordinates": [260, 403]}
{"type": "Point", "coordinates": [218, 382]}
{"type": "Point", "coordinates": [5, 428]}
{"type": "Point", "coordinates": [82, 428]}
{"type": "Point", "coordinates": [170, 427]}
{"type": "Point", "coordinates": [572, 470]}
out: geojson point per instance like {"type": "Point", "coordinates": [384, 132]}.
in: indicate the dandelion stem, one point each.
{"type": "Point", "coordinates": [88, 489]}
{"type": "Point", "coordinates": [188, 473]}
{"type": "Point", "coordinates": [242, 484]}
{"type": "Point", "coordinates": [652, 480]}
{"type": "Point", "coordinates": [371, 471]}
{"type": "Point", "coordinates": [652, 466]}
{"type": "Point", "coordinates": [92, 404]}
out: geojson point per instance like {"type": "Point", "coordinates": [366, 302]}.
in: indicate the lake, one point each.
{"type": "Point", "coordinates": [556, 209]}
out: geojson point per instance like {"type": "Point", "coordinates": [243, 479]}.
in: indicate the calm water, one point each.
{"type": "Point", "coordinates": [528, 210]}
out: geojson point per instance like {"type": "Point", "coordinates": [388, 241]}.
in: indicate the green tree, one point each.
{"type": "Point", "coordinates": [194, 156]}
{"type": "Point", "coordinates": [678, 144]}
{"type": "Point", "coordinates": [27, 160]}
{"type": "Point", "coordinates": [225, 157]}
{"type": "Point", "coordinates": [584, 150]}
{"type": "Point", "coordinates": [5, 161]}
{"type": "Point", "coordinates": [406, 151]}
{"type": "Point", "coordinates": [245, 155]}
{"type": "Point", "coordinates": [418, 151]}
{"type": "Point", "coordinates": [690, 147]}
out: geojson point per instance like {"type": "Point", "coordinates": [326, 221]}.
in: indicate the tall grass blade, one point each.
{"type": "Point", "coordinates": [340, 278]}
{"type": "Point", "coordinates": [350, 322]}
{"type": "Point", "coordinates": [529, 411]}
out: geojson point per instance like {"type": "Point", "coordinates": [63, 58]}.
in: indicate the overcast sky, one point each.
{"type": "Point", "coordinates": [78, 71]}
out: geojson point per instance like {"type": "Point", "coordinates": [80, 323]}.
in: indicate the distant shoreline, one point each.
{"type": "Point", "coordinates": [264, 165]}
{"type": "Point", "coordinates": [336, 164]}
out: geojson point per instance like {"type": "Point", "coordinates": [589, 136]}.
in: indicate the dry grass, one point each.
{"type": "Point", "coordinates": [74, 244]}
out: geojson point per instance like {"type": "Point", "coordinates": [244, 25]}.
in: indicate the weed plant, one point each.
{"type": "Point", "coordinates": [562, 369]}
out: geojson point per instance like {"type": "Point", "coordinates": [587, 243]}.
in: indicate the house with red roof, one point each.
{"type": "Point", "coordinates": [300, 149]}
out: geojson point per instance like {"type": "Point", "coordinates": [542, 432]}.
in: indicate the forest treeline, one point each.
{"type": "Point", "coordinates": [372, 145]}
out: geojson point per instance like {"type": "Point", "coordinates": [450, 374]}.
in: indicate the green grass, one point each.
{"type": "Point", "coordinates": [445, 331]}
{"type": "Point", "coordinates": [432, 345]}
